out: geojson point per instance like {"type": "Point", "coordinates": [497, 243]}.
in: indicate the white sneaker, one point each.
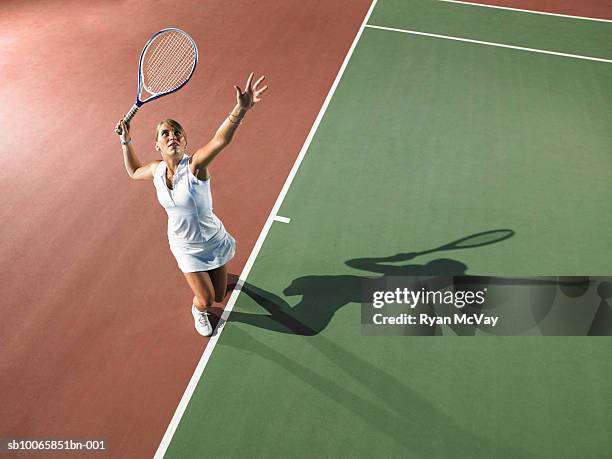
{"type": "Point", "coordinates": [202, 324]}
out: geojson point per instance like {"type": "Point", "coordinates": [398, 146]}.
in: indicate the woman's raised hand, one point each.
{"type": "Point", "coordinates": [252, 93]}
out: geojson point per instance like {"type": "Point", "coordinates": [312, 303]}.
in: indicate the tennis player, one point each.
{"type": "Point", "coordinates": [198, 240]}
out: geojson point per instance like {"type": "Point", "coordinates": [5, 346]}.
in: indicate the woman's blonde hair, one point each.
{"type": "Point", "coordinates": [173, 124]}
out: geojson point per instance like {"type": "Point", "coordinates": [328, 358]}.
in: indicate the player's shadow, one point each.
{"type": "Point", "coordinates": [323, 296]}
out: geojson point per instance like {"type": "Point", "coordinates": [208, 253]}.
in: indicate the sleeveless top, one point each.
{"type": "Point", "coordinates": [189, 207]}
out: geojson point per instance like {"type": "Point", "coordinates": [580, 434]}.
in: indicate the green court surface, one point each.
{"type": "Point", "coordinates": [425, 141]}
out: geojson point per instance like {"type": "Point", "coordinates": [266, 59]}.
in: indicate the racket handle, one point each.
{"type": "Point", "coordinates": [131, 114]}
{"type": "Point", "coordinates": [128, 118]}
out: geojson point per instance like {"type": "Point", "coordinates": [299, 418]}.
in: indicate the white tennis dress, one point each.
{"type": "Point", "coordinates": [198, 240]}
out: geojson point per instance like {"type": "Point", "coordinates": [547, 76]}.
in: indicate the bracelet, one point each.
{"type": "Point", "coordinates": [237, 117]}
{"type": "Point", "coordinates": [125, 143]}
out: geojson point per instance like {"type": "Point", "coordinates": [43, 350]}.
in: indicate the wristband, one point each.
{"type": "Point", "coordinates": [125, 143]}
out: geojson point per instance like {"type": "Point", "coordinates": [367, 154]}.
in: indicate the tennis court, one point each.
{"type": "Point", "coordinates": [391, 129]}
{"type": "Point", "coordinates": [425, 140]}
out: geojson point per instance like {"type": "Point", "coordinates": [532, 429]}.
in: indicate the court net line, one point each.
{"type": "Point", "coordinates": [195, 378]}
{"type": "Point", "coordinates": [520, 10]}
{"type": "Point", "coordinates": [488, 43]}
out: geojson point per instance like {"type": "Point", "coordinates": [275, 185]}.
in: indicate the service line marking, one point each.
{"type": "Point", "coordinates": [546, 13]}
{"type": "Point", "coordinates": [488, 43]}
{"type": "Point", "coordinates": [278, 218]}
{"type": "Point", "coordinates": [195, 378]}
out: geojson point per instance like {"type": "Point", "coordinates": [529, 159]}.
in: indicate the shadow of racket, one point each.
{"type": "Point", "coordinates": [468, 242]}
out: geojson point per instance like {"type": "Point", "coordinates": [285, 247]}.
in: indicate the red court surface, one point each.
{"type": "Point", "coordinates": [97, 334]}
{"type": "Point", "coordinates": [600, 9]}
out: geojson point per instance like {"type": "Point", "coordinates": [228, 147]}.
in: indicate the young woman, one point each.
{"type": "Point", "coordinates": [199, 242]}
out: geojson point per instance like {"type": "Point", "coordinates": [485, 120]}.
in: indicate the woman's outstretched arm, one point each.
{"type": "Point", "coordinates": [245, 100]}
{"type": "Point", "coordinates": [132, 164]}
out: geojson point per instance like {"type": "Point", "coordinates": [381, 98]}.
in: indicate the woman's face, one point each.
{"type": "Point", "coordinates": [170, 141]}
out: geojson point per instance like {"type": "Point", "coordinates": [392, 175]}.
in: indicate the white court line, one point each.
{"type": "Point", "coordinates": [488, 43]}
{"type": "Point", "coordinates": [278, 218]}
{"type": "Point", "coordinates": [195, 378]}
{"type": "Point", "coordinates": [527, 11]}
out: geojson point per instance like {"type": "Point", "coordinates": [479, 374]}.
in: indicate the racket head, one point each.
{"type": "Point", "coordinates": [167, 62]}
{"type": "Point", "coordinates": [478, 239]}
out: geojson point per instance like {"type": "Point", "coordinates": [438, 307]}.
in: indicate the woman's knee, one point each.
{"type": "Point", "coordinates": [203, 301]}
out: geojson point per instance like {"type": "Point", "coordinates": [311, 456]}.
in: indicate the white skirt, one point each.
{"type": "Point", "coordinates": [206, 256]}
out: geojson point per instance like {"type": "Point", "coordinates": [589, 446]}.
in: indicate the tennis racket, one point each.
{"type": "Point", "coordinates": [166, 64]}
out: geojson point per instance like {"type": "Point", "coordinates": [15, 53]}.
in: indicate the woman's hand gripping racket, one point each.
{"type": "Point", "coordinates": [166, 64]}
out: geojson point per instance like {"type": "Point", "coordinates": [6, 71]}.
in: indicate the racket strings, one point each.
{"type": "Point", "coordinates": [169, 62]}
{"type": "Point", "coordinates": [170, 65]}
{"type": "Point", "coordinates": [164, 53]}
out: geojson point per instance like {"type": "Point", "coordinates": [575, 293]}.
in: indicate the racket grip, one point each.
{"type": "Point", "coordinates": [131, 114]}
{"type": "Point", "coordinates": [128, 118]}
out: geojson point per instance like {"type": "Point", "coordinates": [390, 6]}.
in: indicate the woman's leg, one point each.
{"type": "Point", "coordinates": [218, 278]}
{"type": "Point", "coordinates": [207, 286]}
{"type": "Point", "coordinates": [202, 288]}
